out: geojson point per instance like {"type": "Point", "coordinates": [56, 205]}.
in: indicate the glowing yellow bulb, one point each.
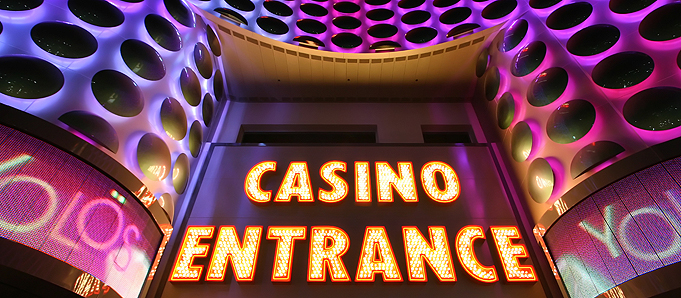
{"type": "Point", "coordinates": [296, 183]}
{"type": "Point", "coordinates": [404, 182]}
{"type": "Point", "coordinates": [183, 269]}
{"type": "Point", "coordinates": [436, 253]}
{"type": "Point", "coordinates": [509, 254]}
{"type": "Point", "coordinates": [283, 257]}
{"type": "Point", "coordinates": [339, 187]}
{"type": "Point", "coordinates": [323, 256]}
{"type": "Point", "coordinates": [370, 263]}
{"type": "Point", "coordinates": [362, 185]}
{"type": "Point", "coordinates": [452, 185]}
{"type": "Point", "coordinates": [252, 183]}
{"type": "Point", "coordinates": [465, 251]}
{"type": "Point", "coordinates": [228, 248]}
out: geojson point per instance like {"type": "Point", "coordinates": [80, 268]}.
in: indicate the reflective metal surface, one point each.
{"type": "Point", "coordinates": [571, 121]}
{"type": "Point", "coordinates": [540, 180]}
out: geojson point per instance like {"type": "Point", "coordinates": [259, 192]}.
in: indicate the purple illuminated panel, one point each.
{"type": "Point", "coordinates": [625, 230]}
{"type": "Point", "coordinates": [57, 204]}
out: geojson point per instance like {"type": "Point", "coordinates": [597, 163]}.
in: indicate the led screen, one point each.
{"type": "Point", "coordinates": [58, 204]}
{"type": "Point", "coordinates": [622, 231]}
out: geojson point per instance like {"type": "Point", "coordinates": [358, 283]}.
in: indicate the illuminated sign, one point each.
{"type": "Point", "coordinates": [329, 244]}
{"type": "Point", "coordinates": [262, 214]}
{"type": "Point", "coordinates": [622, 231]}
{"type": "Point", "coordinates": [55, 203]}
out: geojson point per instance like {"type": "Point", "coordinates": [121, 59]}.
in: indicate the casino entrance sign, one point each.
{"type": "Point", "coordinates": [328, 244]}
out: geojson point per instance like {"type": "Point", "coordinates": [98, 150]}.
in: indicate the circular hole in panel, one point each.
{"type": "Point", "coordinates": [97, 12]}
{"type": "Point", "coordinates": [309, 40]}
{"type": "Point", "coordinates": [569, 15]}
{"type": "Point", "coordinates": [19, 5]}
{"type": "Point", "coordinates": [455, 15]}
{"type": "Point", "coordinates": [629, 6]}
{"type": "Point", "coordinates": [346, 7]}
{"type": "Point", "coordinates": [311, 26]}
{"type": "Point", "coordinates": [377, 2]}
{"type": "Point", "coordinates": [678, 59]}
{"type": "Point", "coordinates": [117, 93]}
{"type": "Point", "coordinates": [153, 157]}
{"type": "Point", "coordinates": [64, 40]}
{"type": "Point", "coordinates": [173, 119]}
{"type": "Point", "coordinates": [180, 13]}
{"type": "Point", "coordinates": [181, 173]}
{"type": "Point", "coordinates": [462, 30]}
{"type": "Point", "coordinates": [623, 70]}
{"type": "Point", "coordinates": [93, 127]}
{"type": "Point", "coordinates": [654, 109]}
{"type": "Point", "coordinates": [421, 35]}
{"type": "Point", "coordinates": [662, 23]}
{"type": "Point", "coordinates": [481, 64]}
{"type": "Point", "coordinates": [540, 180]}
{"type": "Point", "coordinates": [593, 155]}
{"type": "Point", "coordinates": [346, 22]}
{"type": "Point", "coordinates": [444, 3]}
{"type": "Point", "coordinates": [514, 35]}
{"type": "Point", "coordinates": [0, 27]}
{"type": "Point", "coordinates": [203, 60]}
{"type": "Point", "coordinates": [166, 202]}
{"type": "Point", "coordinates": [593, 40]}
{"type": "Point", "coordinates": [272, 25]}
{"type": "Point", "coordinates": [278, 8]}
{"type": "Point", "coordinates": [505, 110]}
{"type": "Point", "coordinates": [163, 32]}
{"type": "Point", "coordinates": [410, 3]}
{"type": "Point", "coordinates": [415, 17]}
{"type": "Point", "coordinates": [29, 77]}
{"type": "Point", "coordinates": [191, 87]}
{"type": "Point", "coordinates": [243, 5]}
{"type": "Point", "coordinates": [499, 9]}
{"type": "Point", "coordinates": [231, 15]}
{"type": "Point", "coordinates": [385, 45]}
{"type": "Point", "coordinates": [207, 109]}
{"type": "Point", "coordinates": [521, 141]}
{"type": "Point", "coordinates": [134, 1]}
{"type": "Point", "coordinates": [314, 10]}
{"type": "Point", "coordinates": [143, 60]}
{"type": "Point", "coordinates": [528, 59]}
{"type": "Point", "coordinates": [571, 121]}
{"type": "Point", "coordinates": [541, 4]}
{"type": "Point", "coordinates": [346, 40]}
{"type": "Point", "coordinates": [382, 30]}
{"type": "Point", "coordinates": [380, 14]}
{"type": "Point", "coordinates": [547, 87]}
{"type": "Point", "coordinates": [195, 138]}
{"type": "Point", "coordinates": [213, 41]}
{"type": "Point", "coordinates": [218, 87]}
{"type": "Point", "coordinates": [492, 83]}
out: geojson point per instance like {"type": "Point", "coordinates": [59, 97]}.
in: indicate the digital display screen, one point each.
{"type": "Point", "coordinates": [622, 231]}
{"type": "Point", "coordinates": [55, 203]}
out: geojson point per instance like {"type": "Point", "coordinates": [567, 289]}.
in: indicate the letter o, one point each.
{"type": "Point", "coordinates": [670, 251]}
{"type": "Point", "coordinates": [42, 220]}
{"type": "Point", "coordinates": [452, 185]}
{"type": "Point", "coordinates": [81, 224]}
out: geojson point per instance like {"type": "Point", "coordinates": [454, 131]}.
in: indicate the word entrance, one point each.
{"type": "Point", "coordinates": [328, 244]}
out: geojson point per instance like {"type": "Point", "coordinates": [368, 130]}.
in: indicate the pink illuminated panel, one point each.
{"type": "Point", "coordinates": [55, 203]}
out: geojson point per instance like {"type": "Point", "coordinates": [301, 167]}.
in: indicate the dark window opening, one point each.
{"type": "Point", "coordinates": [448, 134]}
{"type": "Point", "coordinates": [301, 134]}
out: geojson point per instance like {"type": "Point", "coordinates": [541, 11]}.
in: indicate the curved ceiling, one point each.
{"type": "Point", "coordinates": [361, 26]}
{"type": "Point", "coordinates": [261, 69]}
